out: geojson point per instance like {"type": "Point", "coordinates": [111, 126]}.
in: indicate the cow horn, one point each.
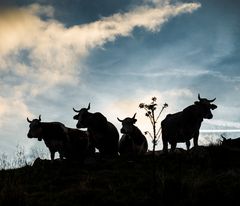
{"type": "Point", "coordinates": [88, 106]}
{"type": "Point", "coordinates": [39, 118]}
{"type": "Point", "coordinates": [29, 120]}
{"type": "Point", "coordinates": [134, 116]}
{"type": "Point", "coordinates": [212, 100]}
{"type": "Point", "coordinates": [119, 120]}
{"type": "Point", "coordinates": [224, 138]}
{"type": "Point", "coordinates": [199, 98]}
{"type": "Point", "coordinates": [76, 110]}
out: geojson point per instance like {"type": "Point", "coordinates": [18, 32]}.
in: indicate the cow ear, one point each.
{"type": "Point", "coordinates": [134, 121]}
{"type": "Point", "coordinates": [197, 103]}
{"type": "Point", "coordinates": [213, 106]}
{"type": "Point", "coordinates": [75, 117]}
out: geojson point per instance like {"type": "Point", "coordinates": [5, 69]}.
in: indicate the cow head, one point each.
{"type": "Point", "coordinates": [128, 124]}
{"type": "Point", "coordinates": [82, 117]}
{"type": "Point", "coordinates": [35, 129]}
{"type": "Point", "coordinates": [206, 106]}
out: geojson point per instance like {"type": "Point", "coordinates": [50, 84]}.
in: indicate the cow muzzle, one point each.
{"type": "Point", "coordinates": [29, 135]}
{"type": "Point", "coordinates": [209, 116]}
{"type": "Point", "coordinates": [79, 125]}
{"type": "Point", "coordinates": [123, 131]}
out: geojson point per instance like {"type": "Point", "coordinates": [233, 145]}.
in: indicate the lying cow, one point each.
{"type": "Point", "coordinates": [185, 125]}
{"type": "Point", "coordinates": [230, 143]}
{"type": "Point", "coordinates": [132, 142]}
{"type": "Point", "coordinates": [69, 143]}
{"type": "Point", "coordinates": [103, 134]}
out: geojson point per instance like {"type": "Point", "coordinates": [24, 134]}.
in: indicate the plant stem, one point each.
{"type": "Point", "coordinates": [154, 132]}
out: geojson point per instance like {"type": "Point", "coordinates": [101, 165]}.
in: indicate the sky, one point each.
{"type": "Point", "coordinates": [60, 54]}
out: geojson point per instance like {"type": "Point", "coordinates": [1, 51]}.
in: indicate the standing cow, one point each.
{"type": "Point", "coordinates": [132, 142]}
{"type": "Point", "coordinates": [68, 142]}
{"type": "Point", "coordinates": [103, 134]}
{"type": "Point", "coordinates": [185, 125]}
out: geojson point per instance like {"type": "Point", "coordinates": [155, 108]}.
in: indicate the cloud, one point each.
{"type": "Point", "coordinates": [128, 105]}
{"type": "Point", "coordinates": [220, 123]}
{"type": "Point", "coordinates": [41, 53]}
{"type": "Point", "coordinates": [51, 53]}
{"type": "Point", "coordinates": [12, 108]}
{"type": "Point", "coordinates": [170, 72]}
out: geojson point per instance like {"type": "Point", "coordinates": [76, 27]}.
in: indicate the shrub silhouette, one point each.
{"type": "Point", "coordinates": [150, 113]}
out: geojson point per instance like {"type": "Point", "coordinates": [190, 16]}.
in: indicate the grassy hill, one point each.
{"type": "Point", "coordinates": [204, 176]}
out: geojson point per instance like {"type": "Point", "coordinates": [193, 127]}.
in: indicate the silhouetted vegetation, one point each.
{"type": "Point", "coordinates": [207, 175]}
{"type": "Point", "coordinates": [151, 114]}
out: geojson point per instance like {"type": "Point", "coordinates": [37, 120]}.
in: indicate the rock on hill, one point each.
{"type": "Point", "coordinates": [204, 176]}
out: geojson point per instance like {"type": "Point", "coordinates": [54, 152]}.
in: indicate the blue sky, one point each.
{"type": "Point", "coordinates": [55, 55]}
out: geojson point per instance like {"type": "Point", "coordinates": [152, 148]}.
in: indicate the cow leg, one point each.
{"type": "Point", "coordinates": [173, 146]}
{"type": "Point", "coordinates": [195, 139]}
{"type": "Point", "coordinates": [165, 143]}
{"type": "Point", "coordinates": [52, 155]}
{"type": "Point", "coordinates": [91, 150]}
{"type": "Point", "coordinates": [188, 144]}
{"type": "Point", "coordinates": [61, 155]}
{"type": "Point", "coordinates": [165, 146]}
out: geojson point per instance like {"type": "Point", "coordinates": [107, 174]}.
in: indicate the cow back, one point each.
{"type": "Point", "coordinates": [98, 122]}
{"type": "Point", "coordinates": [126, 145]}
{"type": "Point", "coordinates": [105, 138]}
{"type": "Point", "coordinates": [231, 143]}
{"type": "Point", "coordinates": [77, 144]}
{"type": "Point", "coordinates": [133, 144]}
{"type": "Point", "coordinates": [53, 130]}
{"type": "Point", "coordinates": [192, 114]}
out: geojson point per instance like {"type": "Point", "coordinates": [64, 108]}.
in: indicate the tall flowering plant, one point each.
{"type": "Point", "coordinates": [153, 117]}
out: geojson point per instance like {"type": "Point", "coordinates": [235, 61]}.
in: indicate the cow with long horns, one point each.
{"type": "Point", "coordinates": [185, 125]}
{"type": "Point", "coordinates": [69, 143]}
{"type": "Point", "coordinates": [132, 142]}
{"type": "Point", "coordinates": [103, 134]}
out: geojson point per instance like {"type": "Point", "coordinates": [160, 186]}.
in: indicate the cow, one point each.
{"type": "Point", "coordinates": [103, 134]}
{"type": "Point", "coordinates": [230, 143]}
{"type": "Point", "coordinates": [183, 126]}
{"type": "Point", "coordinates": [68, 142]}
{"type": "Point", "coordinates": [132, 142]}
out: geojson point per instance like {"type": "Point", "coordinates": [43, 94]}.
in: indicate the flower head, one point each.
{"type": "Point", "coordinates": [165, 105]}
{"type": "Point", "coordinates": [154, 99]}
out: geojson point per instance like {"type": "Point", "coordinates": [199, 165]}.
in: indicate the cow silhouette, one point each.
{"type": "Point", "coordinates": [132, 142]}
{"type": "Point", "coordinates": [102, 133]}
{"type": "Point", "coordinates": [183, 126]}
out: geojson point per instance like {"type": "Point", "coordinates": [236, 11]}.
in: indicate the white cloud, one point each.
{"type": "Point", "coordinates": [180, 72]}
{"type": "Point", "coordinates": [220, 123]}
{"type": "Point", "coordinates": [12, 108]}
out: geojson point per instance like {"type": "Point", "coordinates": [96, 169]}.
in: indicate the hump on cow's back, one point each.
{"type": "Point", "coordinates": [99, 119]}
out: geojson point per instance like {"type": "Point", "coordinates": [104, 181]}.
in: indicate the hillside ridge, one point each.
{"type": "Point", "coordinates": [201, 176]}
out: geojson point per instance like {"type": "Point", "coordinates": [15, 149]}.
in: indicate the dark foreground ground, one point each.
{"type": "Point", "coordinates": [205, 176]}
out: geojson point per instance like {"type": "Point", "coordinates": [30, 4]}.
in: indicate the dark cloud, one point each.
{"type": "Point", "coordinates": [72, 12]}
